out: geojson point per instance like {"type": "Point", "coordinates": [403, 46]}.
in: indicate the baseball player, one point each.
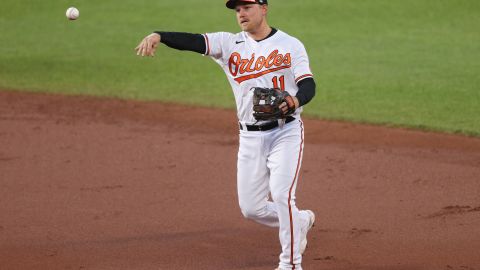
{"type": "Point", "coordinates": [270, 150]}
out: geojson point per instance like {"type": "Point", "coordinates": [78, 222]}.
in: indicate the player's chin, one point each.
{"type": "Point", "coordinates": [246, 29]}
{"type": "Point", "coordinates": [245, 26]}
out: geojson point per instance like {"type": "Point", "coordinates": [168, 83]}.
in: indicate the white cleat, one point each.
{"type": "Point", "coordinates": [304, 231]}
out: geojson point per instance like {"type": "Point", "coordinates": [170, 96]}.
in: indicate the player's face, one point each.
{"type": "Point", "coordinates": [250, 16]}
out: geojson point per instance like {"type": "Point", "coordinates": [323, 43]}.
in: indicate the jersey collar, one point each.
{"type": "Point", "coordinates": [274, 30]}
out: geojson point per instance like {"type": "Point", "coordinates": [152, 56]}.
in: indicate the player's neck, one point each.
{"type": "Point", "coordinates": [261, 32]}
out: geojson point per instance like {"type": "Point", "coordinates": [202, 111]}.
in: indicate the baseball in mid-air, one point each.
{"type": "Point", "coordinates": [72, 13]}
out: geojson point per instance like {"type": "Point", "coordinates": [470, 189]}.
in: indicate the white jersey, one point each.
{"type": "Point", "coordinates": [279, 61]}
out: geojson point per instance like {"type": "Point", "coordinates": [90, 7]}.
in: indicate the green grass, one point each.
{"type": "Point", "coordinates": [395, 62]}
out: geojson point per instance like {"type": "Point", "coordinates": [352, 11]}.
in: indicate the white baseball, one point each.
{"type": "Point", "coordinates": [72, 13]}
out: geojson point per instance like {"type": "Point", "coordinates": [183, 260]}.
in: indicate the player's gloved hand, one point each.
{"type": "Point", "coordinates": [272, 103]}
{"type": "Point", "coordinates": [148, 45]}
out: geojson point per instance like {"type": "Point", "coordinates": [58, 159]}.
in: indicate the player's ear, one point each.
{"type": "Point", "coordinates": [264, 9]}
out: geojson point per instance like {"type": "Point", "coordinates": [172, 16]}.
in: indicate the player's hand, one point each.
{"type": "Point", "coordinates": [284, 106]}
{"type": "Point", "coordinates": [148, 45]}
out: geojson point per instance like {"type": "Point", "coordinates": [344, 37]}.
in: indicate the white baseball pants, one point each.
{"type": "Point", "coordinates": [269, 161]}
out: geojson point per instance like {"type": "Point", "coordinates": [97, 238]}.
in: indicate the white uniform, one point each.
{"type": "Point", "coordinates": [268, 161]}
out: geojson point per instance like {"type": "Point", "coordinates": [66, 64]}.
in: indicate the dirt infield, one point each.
{"type": "Point", "coordinates": [90, 183]}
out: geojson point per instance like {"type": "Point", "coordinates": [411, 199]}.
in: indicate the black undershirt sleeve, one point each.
{"type": "Point", "coordinates": [183, 41]}
{"type": "Point", "coordinates": [306, 91]}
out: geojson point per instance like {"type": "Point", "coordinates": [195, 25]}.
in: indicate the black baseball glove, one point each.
{"type": "Point", "coordinates": [267, 101]}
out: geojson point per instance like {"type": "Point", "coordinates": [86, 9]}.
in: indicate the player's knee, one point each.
{"type": "Point", "coordinates": [249, 211]}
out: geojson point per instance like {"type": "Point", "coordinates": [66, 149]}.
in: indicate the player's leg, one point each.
{"type": "Point", "coordinates": [252, 180]}
{"type": "Point", "coordinates": [284, 163]}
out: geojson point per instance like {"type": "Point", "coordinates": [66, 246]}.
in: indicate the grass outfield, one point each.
{"type": "Point", "coordinates": [412, 63]}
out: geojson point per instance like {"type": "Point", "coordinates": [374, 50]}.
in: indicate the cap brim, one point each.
{"type": "Point", "coordinates": [231, 4]}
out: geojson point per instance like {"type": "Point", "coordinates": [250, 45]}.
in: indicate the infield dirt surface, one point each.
{"type": "Point", "coordinates": [93, 183]}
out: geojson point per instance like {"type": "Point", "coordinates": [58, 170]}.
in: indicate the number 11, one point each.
{"type": "Point", "coordinates": [282, 82]}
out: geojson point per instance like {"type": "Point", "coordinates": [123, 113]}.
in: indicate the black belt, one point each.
{"type": "Point", "coordinates": [266, 126]}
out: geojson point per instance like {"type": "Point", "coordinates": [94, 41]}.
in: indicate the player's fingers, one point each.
{"type": "Point", "coordinates": [150, 47]}
{"type": "Point", "coordinates": [137, 49]}
{"type": "Point", "coordinates": [144, 43]}
{"type": "Point", "coordinates": [154, 49]}
{"type": "Point", "coordinates": [147, 47]}
{"type": "Point", "coordinates": [144, 48]}
{"type": "Point", "coordinates": [140, 47]}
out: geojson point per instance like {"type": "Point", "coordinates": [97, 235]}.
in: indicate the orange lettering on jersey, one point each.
{"type": "Point", "coordinates": [259, 74]}
{"type": "Point", "coordinates": [260, 63]}
{"type": "Point", "coordinates": [278, 60]}
{"type": "Point", "coordinates": [287, 60]}
{"type": "Point", "coordinates": [250, 63]}
{"type": "Point", "coordinates": [243, 66]}
{"type": "Point", "coordinates": [270, 58]}
{"type": "Point", "coordinates": [234, 63]}
{"type": "Point", "coordinates": [238, 65]}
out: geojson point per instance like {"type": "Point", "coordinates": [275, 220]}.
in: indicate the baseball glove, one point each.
{"type": "Point", "coordinates": [266, 103]}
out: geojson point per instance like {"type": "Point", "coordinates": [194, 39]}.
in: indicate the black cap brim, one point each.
{"type": "Point", "coordinates": [231, 4]}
